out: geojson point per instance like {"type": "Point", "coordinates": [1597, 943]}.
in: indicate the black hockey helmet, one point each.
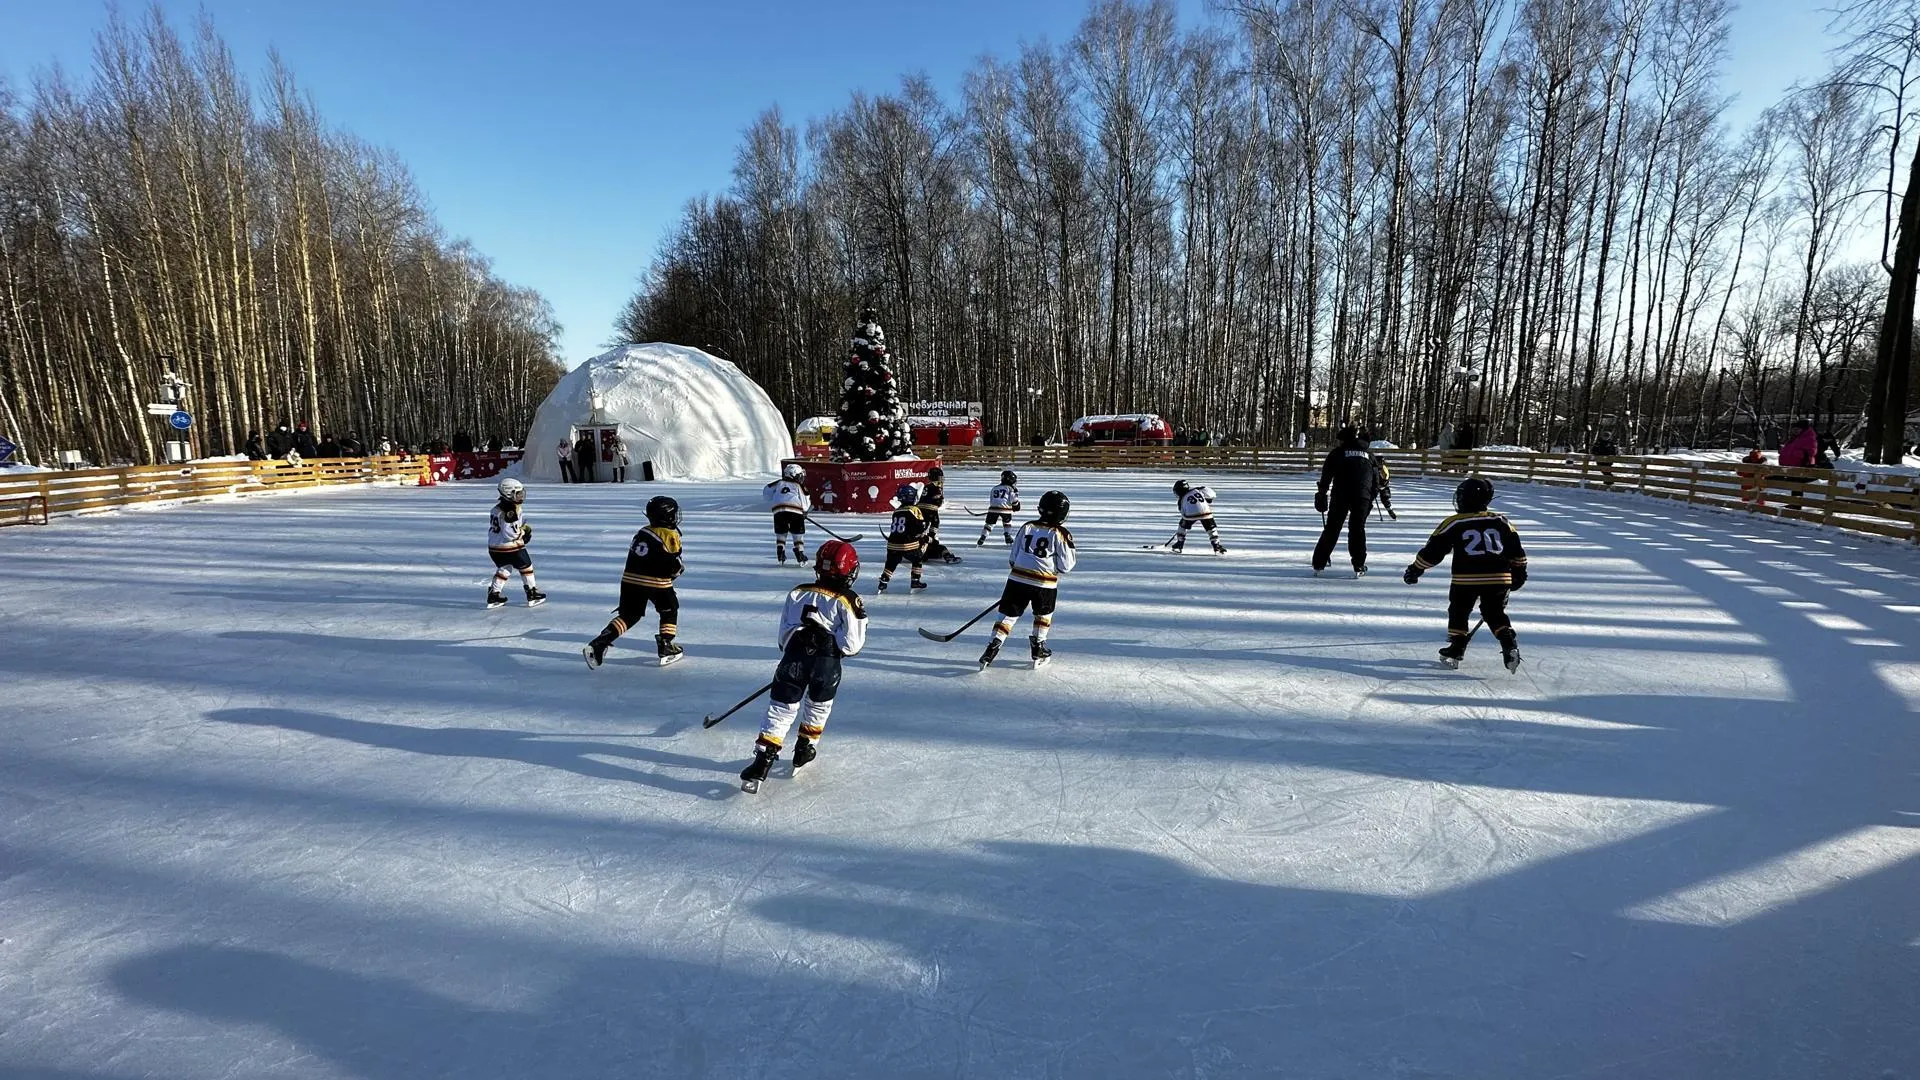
{"type": "Point", "coordinates": [1348, 434]}
{"type": "Point", "coordinates": [1008, 478]}
{"type": "Point", "coordinates": [1181, 487]}
{"type": "Point", "coordinates": [663, 511]}
{"type": "Point", "coordinates": [936, 473]}
{"type": "Point", "coordinates": [1473, 495]}
{"type": "Point", "coordinates": [1054, 506]}
{"type": "Point", "coordinates": [907, 495]}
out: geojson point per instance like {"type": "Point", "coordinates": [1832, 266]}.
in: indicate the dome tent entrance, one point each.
{"type": "Point", "coordinates": [690, 415]}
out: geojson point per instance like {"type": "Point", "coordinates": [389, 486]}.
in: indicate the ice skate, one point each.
{"type": "Point", "coordinates": [535, 598]}
{"type": "Point", "coordinates": [1453, 653]}
{"type": "Point", "coordinates": [496, 599]}
{"type": "Point", "coordinates": [982, 542]}
{"type": "Point", "coordinates": [803, 752]}
{"type": "Point", "coordinates": [993, 650]}
{"type": "Point", "coordinates": [756, 770]}
{"type": "Point", "coordinates": [1360, 571]}
{"type": "Point", "coordinates": [1041, 654]}
{"type": "Point", "coordinates": [799, 553]}
{"type": "Point", "coordinates": [596, 651]}
{"type": "Point", "coordinates": [882, 586]}
{"type": "Point", "coordinates": [780, 552]}
{"type": "Point", "coordinates": [916, 585]}
{"type": "Point", "coordinates": [1219, 548]}
{"type": "Point", "coordinates": [669, 651]}
{"type": "Point", "coordinates": [1510, 652]}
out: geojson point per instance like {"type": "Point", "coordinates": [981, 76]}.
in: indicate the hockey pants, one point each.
{"type": "Point", "coordinates": [1493, 607]}
{"type": "Point", "coordinates": [803, 688]}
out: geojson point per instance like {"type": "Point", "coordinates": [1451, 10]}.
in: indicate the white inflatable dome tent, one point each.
{"type": "Point", "coordinates": [684, 415]}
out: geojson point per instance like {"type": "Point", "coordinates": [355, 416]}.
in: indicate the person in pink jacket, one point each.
{"type": "Point", "coordinates": [1800, 451]}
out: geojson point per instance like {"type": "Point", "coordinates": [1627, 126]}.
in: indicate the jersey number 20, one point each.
{"type": "Point", "coordinates": [1484, 542]}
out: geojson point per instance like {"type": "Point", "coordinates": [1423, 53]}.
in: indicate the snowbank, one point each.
{"type": "Point", "coordinates": [693, 415]}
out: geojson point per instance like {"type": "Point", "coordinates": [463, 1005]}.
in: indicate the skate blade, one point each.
{"type": "Point", "coordinates": [751, 787]}
{"type": "Point", "coordinates": [666, 661]}
{"type": "Point", "coordinates": [1450, 663]}
{"type": "Point", "coordinates": [1513, 666]}
{"type": "Point", "coordinates": [1038, 664]}
{"type": "Point", "coordinates": [588, 654]}
{"type": "Point", "coordinates": [496, 607]}
{"type": "Point", "coordinates": [536, 603]}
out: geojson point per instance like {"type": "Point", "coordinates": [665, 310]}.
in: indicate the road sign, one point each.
{"type": "Point", "coordinates": [181, 419]}
{"type": "Point", "coordinates": [162, 408]}
{"type": "Point", "coordinates": [6, 448]}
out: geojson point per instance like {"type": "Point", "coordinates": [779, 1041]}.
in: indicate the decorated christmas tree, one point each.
{"type": "Point", "coordinates": [873, 423]}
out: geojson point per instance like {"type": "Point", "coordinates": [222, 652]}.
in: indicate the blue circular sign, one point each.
{"type": "Point", "coordinates": [181, 419]}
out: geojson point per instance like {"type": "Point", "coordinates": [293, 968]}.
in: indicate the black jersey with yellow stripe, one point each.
{"type": "Point", "coordinates": [907, 530]}
{"type": "Point", "coordinates": [653, 559]}
{"type": "Point", "coordinates": [1484, 546]}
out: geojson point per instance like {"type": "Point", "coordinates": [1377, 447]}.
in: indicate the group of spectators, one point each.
{"type": "Point", "coordinates": [296, 442]}
{"type": "Point", "coordinates": [577, 460]}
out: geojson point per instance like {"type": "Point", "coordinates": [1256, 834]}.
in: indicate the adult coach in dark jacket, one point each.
{"type": "Point", "coordinates": [1345, 496]}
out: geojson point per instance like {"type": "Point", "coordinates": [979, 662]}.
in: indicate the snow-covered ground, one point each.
{"type": "Point", "coordinates": [279, 799]}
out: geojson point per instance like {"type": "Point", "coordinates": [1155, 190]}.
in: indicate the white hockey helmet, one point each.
{"type": "Point", "coordinates": [792, 471]}
{"type": "Point", "coordinates": [512, 490]}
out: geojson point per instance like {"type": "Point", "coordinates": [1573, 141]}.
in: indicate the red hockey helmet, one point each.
{"type": "Point", "coordinates": [838, 560]}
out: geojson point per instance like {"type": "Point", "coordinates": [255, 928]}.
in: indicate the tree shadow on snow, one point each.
{"type": "Point", "coordinates": [527, 747]}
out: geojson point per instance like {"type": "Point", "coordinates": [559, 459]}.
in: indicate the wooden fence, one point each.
{"type": "Point", "coordinates": [1882, 505]}
{"type": "Point", "coordinates": [81, 490]}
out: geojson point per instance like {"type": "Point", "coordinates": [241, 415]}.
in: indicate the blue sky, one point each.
{"type": "Point", "coordinates": [564, 137]}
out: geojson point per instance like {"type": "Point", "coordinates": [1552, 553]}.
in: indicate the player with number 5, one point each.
{"type": "Point", "coordinates": [1488, 561]}
{"type": "Point", "coordinates": [1042, 552]}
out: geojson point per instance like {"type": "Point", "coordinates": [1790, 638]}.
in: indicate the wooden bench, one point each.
{"type": "Point", "coordinates": [25, 503]}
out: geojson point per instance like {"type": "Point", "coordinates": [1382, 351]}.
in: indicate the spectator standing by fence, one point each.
{"type": "Point", "coordinates": [1803, 449]}
{"type": "Point", "coordinates": [621, 459]}
{"type": "Point", "coordinates": [565, 450]}
{"type": "Point", "coordinates": [1604, 451]}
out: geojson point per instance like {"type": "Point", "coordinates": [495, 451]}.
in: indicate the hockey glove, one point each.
{"type": "Point", "coordinates": [1392, 515]}
{"type": "Point", "coordinates": [526, 534]}
{"type": "Point", "coordinates": [1519, 577]}
{"type": "Point", "coordinates": [1412, 576]}
{"type": "Point", "coordinates": [1320, 501]}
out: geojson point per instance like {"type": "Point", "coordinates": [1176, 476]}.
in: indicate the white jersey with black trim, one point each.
{"type": "Point", "coordinates": [1004, 498]}
{"type": "Point", "coordinates": [1041, 553]}
{"type": "Point", "coordinates": [506, 528]}
{"type": "Point", "coordinates": [1197, 503]}
{"type": "Point", "coordinates": [786, 495]}
{"type": "Point", "coordinates": [839, 614]}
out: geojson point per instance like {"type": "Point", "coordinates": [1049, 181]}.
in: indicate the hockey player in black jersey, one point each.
{"type": "Point", "coordinates": [1002, 503]}
{"type": "Point", "coordinates": [906, 538]}
{"type": "Point", "coordinates": [822, 622]}
{"type": "Point", "coordinates": [932, 498]}
{"type": "Point", "coordinates": [508, 534]}
{"type": "Point", "coordinates": [1488, 562]}
{"type": "Point", "coordinates": [1346, 497]}
{"type": "Point", "coordinates": [653, 562]}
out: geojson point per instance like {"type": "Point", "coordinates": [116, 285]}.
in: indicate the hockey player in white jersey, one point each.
{"type": "Point", "coordinates": [1196, 508]}
{"type": "Point", "coordinates": [789, 505]}
{"type": "Point", "coordinates": [1002, 503]}
{"type": "Point", "coordinates": [822, 621]}
{"type": "Point", "coordinates": [1042, 553]}
{"type": "Point", "coordinates": [508, 534]}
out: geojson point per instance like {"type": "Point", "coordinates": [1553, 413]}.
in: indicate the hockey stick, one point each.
{"type": "Point", "coordinates": [931, 636]}
{"type": "Point", "coordinates": [1167, 543]}
{"type": "Point", "coordinates": [830, 532]}
{"type": "Point", "coordinates": [712, 720]}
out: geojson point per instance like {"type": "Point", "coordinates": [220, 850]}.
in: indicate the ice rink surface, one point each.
{"type": "Point", "coordinates": [279, 798]}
